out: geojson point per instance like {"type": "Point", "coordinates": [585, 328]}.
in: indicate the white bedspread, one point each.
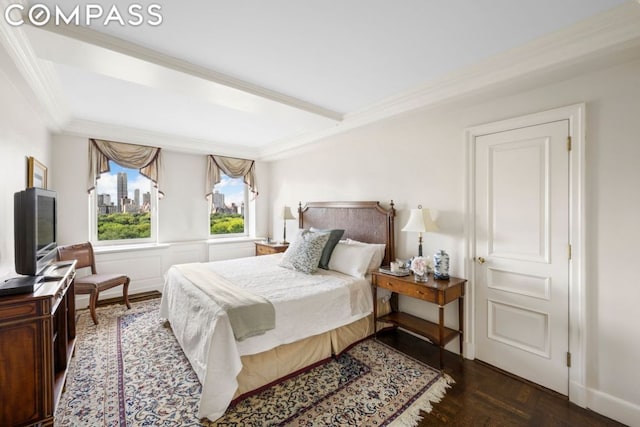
{"type": "Point", "coordinates": [306, 305]}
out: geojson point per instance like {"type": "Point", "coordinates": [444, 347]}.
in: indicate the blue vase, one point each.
{"type": "Point", "coordinates": [441, 265]}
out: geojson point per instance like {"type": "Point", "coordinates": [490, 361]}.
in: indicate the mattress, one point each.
{"type": "Point", "coordinates": [306, 305]}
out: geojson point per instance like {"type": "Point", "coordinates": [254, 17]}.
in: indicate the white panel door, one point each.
{"type": "Point", "coordinates": [522, 252]}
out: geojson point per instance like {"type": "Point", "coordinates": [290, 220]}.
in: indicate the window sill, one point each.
{"type": "Point", "coordinates": [129, 248]}
{"type": "Point", "coordinates": [108, 249]}
{"type": "Point", "coordinates": [225, 240]}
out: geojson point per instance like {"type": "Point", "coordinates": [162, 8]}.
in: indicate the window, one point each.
{"type": "Point", "coordinates": [228, 213]}
{"type": "Point", "coordinates": [124, 204]}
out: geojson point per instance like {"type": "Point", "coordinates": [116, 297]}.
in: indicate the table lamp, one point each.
{"type": "Point", "coordinates": [286, 215]}
{"type": "Point", "coordinates": [420, 221]}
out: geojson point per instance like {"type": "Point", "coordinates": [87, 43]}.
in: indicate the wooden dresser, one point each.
{"type": "Point", "coordinates": [37, 338]}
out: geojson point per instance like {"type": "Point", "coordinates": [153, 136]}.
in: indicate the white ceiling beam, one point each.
{"type": "Point", "coordinates": [81, 47]}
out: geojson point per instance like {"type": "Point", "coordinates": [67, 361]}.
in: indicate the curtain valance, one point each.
{"type": "Point", "coordinates": [233, 168]}
{"type": "Point", "coordinates": [146, 159]}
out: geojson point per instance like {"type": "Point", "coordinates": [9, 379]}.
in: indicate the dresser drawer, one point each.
{"type": "Point", "coordinates": [18, 310]}
{"type": "Point", "coordinates": [414, 290]}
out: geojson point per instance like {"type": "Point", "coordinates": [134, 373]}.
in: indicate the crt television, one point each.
{"type": "Point", "coordinates": [35, 225]}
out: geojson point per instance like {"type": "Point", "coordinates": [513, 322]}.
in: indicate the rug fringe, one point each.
{"type": "Point", "coordinates": [411, 417]}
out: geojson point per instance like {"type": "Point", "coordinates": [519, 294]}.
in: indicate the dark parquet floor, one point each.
{"type": "Point", "coordinates": [482, 395]}
{"type": "Point", "coordinates": [485, 396]}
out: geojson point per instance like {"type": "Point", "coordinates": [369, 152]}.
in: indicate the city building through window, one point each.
{"type": "Point", "coordinates": [228, 207]}
{"type": "Point", "coordinates": [124, 205]}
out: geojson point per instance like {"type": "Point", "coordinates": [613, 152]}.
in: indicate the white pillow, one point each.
{"type": "Point", "coordinates": [376, 260]}
{"type": "Point", "coordinates": [353, 259]}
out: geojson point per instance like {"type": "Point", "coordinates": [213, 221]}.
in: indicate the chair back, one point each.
{"type": "Point", "coordinates": [81, 252]}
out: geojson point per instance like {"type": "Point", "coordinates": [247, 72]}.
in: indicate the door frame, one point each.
{"type": "Point", "coordinates": [575, 114]}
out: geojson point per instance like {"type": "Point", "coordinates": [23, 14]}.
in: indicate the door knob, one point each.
{"type": "Point", "coordinates": [481, 260]}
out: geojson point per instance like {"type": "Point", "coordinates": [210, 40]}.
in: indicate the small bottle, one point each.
{"type": "Point", "coordinates": [441, 265]}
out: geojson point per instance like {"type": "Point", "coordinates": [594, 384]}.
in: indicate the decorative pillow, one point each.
{"type": "Point", "coordinates": [334, 238]}
{"type": "Point", "coordinates": [304, 253]}
{"type": "Point", "coordinates": [352, 259]}
{"type": "Point", "coordinates": [376, 260]}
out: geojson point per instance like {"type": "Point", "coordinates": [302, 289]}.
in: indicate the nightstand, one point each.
{"type": "Point", "coordinates": [263, 248]}
{"type": "Point", "coordinates": [440, 292]}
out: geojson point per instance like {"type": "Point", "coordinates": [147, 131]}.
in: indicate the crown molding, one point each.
{"type": "Point", "coordinates": [579, 44]}
{"type": "Point", "coordinates": [39, 76]}
{"type": "Point", "coordinates": [617, 28]}
{"type": "Point", "coordinates": [179, 143]}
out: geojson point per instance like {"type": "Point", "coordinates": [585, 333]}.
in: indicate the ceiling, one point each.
{"type": "Point", "coordinates": [255, 78]}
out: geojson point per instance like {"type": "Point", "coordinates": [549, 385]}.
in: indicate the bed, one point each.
{"type": "Point", "coordinates": [316, 315]}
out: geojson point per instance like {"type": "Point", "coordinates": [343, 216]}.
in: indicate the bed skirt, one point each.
{"type": "Point", "coordinates": [262, 369]}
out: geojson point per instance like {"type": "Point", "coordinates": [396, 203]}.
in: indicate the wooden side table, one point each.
{"type": "Point", "coordinates": [440, 292]}
{"type": "Point", "coordinates": [263, 248]}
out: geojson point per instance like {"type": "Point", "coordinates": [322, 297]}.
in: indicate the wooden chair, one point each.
{"type": "Point", "coordinates": [94, 283]}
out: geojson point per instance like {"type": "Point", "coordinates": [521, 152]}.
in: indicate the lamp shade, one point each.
{"type": "Point", "coordinates": [429, 223]}
{"type": "Point", "coordinates": [416, 222]}
{"type": "Point", "coordinates": [420, 221]}
{"type": "Point", "coordinates": [287, 214]}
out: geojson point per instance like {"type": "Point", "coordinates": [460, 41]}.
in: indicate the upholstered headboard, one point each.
{"type": "Point", "coordinates": [367, 222]}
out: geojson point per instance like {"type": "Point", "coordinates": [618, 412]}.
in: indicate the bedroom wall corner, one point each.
{"type": "Point", "coordinates": [262, 205]}
{"type": "Point", "coordinates": [22, 134]}
{"type": "Point", "coordinates": [70, 157]}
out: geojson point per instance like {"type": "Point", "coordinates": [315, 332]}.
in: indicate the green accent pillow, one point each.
{"type": "Point", "coordinates": [334, 238]}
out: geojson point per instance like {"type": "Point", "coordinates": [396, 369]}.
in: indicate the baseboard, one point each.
{"type": "Point", "coordinates": [613, 407]}
{"type": "Point", "coordinates": [578, 394]}
{"type": "Point", "coordinates": [133, 298]}
{"type": "Point", "coordinates": [469, 350]}
{"type": "Point", "coordinates": [115, 294]}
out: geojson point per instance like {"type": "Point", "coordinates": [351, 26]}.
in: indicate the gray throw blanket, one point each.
{"type": "Point", "coordinates": [249, 314]}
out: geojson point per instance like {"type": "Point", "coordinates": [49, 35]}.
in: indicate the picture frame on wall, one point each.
{"type": "Point", "coordinates": [36, 173]}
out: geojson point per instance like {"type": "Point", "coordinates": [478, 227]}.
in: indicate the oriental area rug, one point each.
{"type": "Point", "coordinates": [129, 370]}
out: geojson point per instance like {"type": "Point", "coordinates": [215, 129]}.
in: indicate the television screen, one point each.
{"type": "Point", "coordinates": [34, 230]}
{"type": "Point", "coordinates": [45, 221]}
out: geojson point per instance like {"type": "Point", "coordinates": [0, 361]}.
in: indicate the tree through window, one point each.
{"type": "Point", "coordinates": [228, 207]}
{"type": "Point", "coordinates": [124, 202]}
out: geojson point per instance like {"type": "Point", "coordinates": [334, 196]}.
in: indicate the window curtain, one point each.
{"type": "Point", "coordinates": [146, 159]}
{"type": "Point", "coordinates": [233, 168]}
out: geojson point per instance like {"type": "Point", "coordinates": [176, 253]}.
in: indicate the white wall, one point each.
{"type": "Point", "coordinates": [22, 134]}
{"type": "Point", "coordinates": [183, 210]}
{"type": "Point", "coordinates": [182, 215]}
{"type": "Point", "coordinates": [419, 158]}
